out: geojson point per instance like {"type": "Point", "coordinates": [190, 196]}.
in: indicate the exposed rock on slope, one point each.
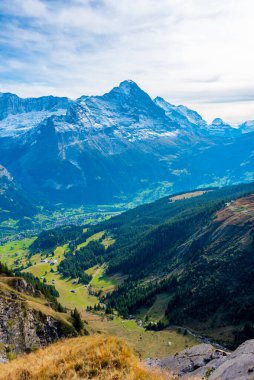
{"type": "Point", "coordinates": [27, 323]}
{"type": "Point", "coordinates": [206, 362]}
{"type": "Point", "coordinates": [13, 201]}
{"type": "Point", "coordinates": [239, 365]}
{"type": "Point", "coordinates": [11, 104]}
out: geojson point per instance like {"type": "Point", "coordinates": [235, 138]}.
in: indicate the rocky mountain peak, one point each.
{"type": "Point", "coordinates": [11, 104]}
{"type": "Point", "coordinates": [128, 84]}
{"type": "Point", "coordinates": [219, 127]}
{"type": "Point", "coordinates": [131, 92]}
{"type": "Point", "coordinates": [180, 114]}
{"type": "Point", "coordinates": [247, 126]}
{"type": "Point", "coordinates": [218, 121]}
{"type": "Point", "coordinates": [161, 101]}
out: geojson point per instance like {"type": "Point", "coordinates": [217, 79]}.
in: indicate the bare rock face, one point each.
{"type": "Point", "coordinates": [206, 362]}
{"type": "Point", "coordinates": [22, 286]}
{"type": "Point", "coordinates": [192, 360]}
{"type": "Point", "coordinates": [23, 329]}
{"type": "Point", "coordinates": [239, 365]}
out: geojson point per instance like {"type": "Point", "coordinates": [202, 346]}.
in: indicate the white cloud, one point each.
{"type": "Point", "coordinates": [194, 52]}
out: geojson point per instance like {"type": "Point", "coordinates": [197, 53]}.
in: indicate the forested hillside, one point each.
{"type": "Point", "coordinates": [197, 248]}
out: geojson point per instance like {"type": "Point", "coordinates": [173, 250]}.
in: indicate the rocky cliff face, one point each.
{"type": "Point", "coordinates": [12, 198]}
{"type": "Point", "coordinates": [207, 362]}
{"type": "Point", "coordinates": [11, 104]}
{"type": "Point", "coordinates": [23, 327]}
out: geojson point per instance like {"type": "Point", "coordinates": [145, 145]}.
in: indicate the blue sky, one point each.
{"type": "Point", "coordinates": [194, 52]}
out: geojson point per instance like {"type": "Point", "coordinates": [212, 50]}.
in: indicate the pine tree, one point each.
{"type": "Point", "coordinates": [77, 321]}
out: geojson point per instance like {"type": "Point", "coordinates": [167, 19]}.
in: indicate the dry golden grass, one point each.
{"type": "Point", "coordinates": [94, 357]}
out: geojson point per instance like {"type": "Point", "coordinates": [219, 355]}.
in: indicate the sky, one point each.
{"type": "Point", "coordinates": [193, 52]}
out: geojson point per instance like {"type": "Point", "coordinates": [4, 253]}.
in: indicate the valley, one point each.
{"type": "Point", "coordinates": [150, 275]}
{"type": "Point", "coordinates": [124, 273]}
{"type": "Point", "coordinates": [73, 294]}
{"type": "Point", "coordinates": [18, 228]}
{"type": "Point", "coordinates": [149, 344]}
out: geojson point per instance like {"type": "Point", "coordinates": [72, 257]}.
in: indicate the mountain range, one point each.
{"type": "Point", "coordinates": [108, 148]}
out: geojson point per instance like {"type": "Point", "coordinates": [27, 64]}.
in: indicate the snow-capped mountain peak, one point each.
{"type": "Point", "coordinates": [128, 85]}
{"type": "Point", "coordinates": [181, 114]}
{"type": "Point", "coordinates": [125, 106]}
{"type": "Point", "coordinates": [218, 121]}
{"type": "Point", "coordinates": [98, 147]}
{"type": "Point", "coordinates": [128, 90]}
{"type": "Point", "coordinates": [219, 128]}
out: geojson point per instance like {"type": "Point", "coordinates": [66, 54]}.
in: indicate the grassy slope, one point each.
{"type": "Point", "coordinates": [96, 357]}
{"type": "Point", "coordinates": [148, 344]}
{"type": "Point", "coordinates": [14, 250]}
{"type": "Point", "coordinates": [102, 281]}
{"type": "Point", "coordinates": [156, 312]}
{"type": "Point", "coordinates": [81, 298]}
{"type": "Point", "coordinates": [19, 250]}
{"type": "Point", "coordinates": [94, 237]}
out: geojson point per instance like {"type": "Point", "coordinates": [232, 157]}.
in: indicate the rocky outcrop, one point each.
{"type": "Point", "coordinates": [11, 104]}
{"type": "Point", "coordinates": [22, 286]}
{"type": "Point", "coordinates": [24, 328]}
{"type": "Point", "coordinates": [12, 198]}
{"type": "Point", "coordinates": [239, 365]}
{"type": "Point", "coordinates": [207, 362]}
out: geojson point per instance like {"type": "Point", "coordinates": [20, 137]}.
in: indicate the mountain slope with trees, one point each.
{"type": "Point", "coordinates": [198, 250]}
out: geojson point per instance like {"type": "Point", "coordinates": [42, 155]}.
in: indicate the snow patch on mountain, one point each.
{"type": "Point", "coordinates": [219, 128]}
{"type": "Point", "coordinates": [180, 114]}
{"type": "Point", "coordinates": [4, 173]}
{"type": "Point", "coordinates": [247, 126]}
{"type": "Point", "coordinates": [15, 125]}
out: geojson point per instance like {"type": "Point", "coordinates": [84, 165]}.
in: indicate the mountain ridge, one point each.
{"type": "Point", "coordinates": [102, 149]}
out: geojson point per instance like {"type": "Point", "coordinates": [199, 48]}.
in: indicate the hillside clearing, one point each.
{"type": "Point", "coordinates": [192, 194]}
{"type": "Point", "coordinates": [149, 344]}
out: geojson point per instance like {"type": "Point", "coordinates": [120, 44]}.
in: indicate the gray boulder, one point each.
{"type": "Point", "coordinates": [193, 360]}
{"type": "Point", "coordinates": [207, 362]}
{"type": "Point", "coordinates": [239, 365]}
